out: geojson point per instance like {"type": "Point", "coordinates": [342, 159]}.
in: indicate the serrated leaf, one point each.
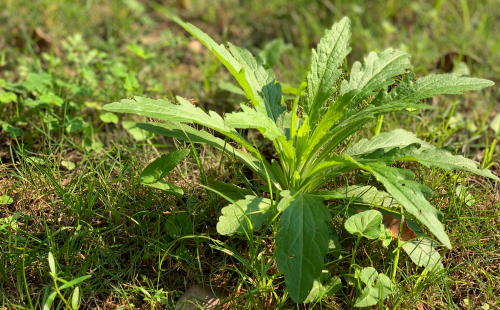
{"type": "Point", "coordinates": [367, 224]}
{"type": "Point", "coordinates": [326, 59]}
{"type": "Point", "coordinates": [386, 141]}
{"type": "Point", "coordinates": [329, 135]}
{"type": "Point", "coordinates": [257, 82]}
{"type": "Point", "coordinates": [302, 241]}
{"type": "Point", "coordinates": [376, 73]}
{"type": "Point", "coordinates": [137, 133]}
{"type": "Point", "coordinates": [425, 153]}
{"type": "Point", "coordinates": [360, 194]}
{"type": "Point", "coordinates": [323, 286]}
{"type": "Point", "coordinates": [221, 53]}
{"type": "Point", "coordinates": [443, 159]}
{"type": "Point", "coordinates": [183, 112]}
{"type": "Point", "coordinates": [235, 217]}
{"type": "Point", "coordinates": [423, 253]}
{"type": "Point", "coordinates": [160, 167]}
{"type": "Point", "coordinates": [430, 86]}
{"type": "Point", "coordinates": [251, 118]}
{"type": "Point", "coordinates": [262, 84]}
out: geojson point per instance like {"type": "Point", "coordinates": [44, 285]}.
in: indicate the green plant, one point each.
{"type": "Point", "coordinates": [310, 140]}
{"type": "Point", "coordinates": [48, 300]}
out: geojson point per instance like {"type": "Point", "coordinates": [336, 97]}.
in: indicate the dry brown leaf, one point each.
{"type": "Point", "coordinates": [392, 223]}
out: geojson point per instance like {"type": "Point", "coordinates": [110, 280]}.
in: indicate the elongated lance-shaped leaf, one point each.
{"type": "Point", "coordinates": [360, 194]}
{"type": "Point", "coordinates": [426, 154]}
{"type": "Point", "coordinates": [411, 195]}
{"type": "Point", "coordinates": [182, 112]}
{"type": "Point", "coordinates": [187, 133]}
{"type": "Point", "coordinates": [235, 216]}
{"type": "Point", "coordinates": [443, 159]}
{"type": "Point", "coordinates": [261, 81]}
{"type": "Point", "coordinates": [160, 168]}
{"type": "Point", "coordinates": [302, 241]}
{"type": "Point", "coordinates": [257, 82]}
{"type": "Point", "coordinates": [430, 86]}
{"type": "Point", "coordinates": [325, 62]}
{"type": "Point", "coordinates": [165, 110]}
{"type": "Point", "coordinates": [222, 54]}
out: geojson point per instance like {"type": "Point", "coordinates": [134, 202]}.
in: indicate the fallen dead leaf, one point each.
{"type": "Point", "coordinates": [392, 223]}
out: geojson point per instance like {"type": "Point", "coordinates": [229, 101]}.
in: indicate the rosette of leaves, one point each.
{"type": "Point", "coordinates": [326, 111]}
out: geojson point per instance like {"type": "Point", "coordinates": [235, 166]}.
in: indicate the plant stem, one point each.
{"type": "Point", "coordinates": [354, 254]}
{"type": "Point", "coordinates": [378, 127]}
{"type": "Point", "coordinates": [396, 259]}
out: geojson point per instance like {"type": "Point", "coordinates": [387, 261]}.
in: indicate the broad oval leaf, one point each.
{"type": "Point", "coordinates": [301, 242]}
{"type": "Point", "coordinates": [368, 275]}
{"type": "Point", "coordinates": [366, 224]}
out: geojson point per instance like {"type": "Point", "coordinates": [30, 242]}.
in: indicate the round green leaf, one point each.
{"type": "Point", "coordinates": [367, 224]}
{"type": "Point", "coordinates": [109, 118]}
